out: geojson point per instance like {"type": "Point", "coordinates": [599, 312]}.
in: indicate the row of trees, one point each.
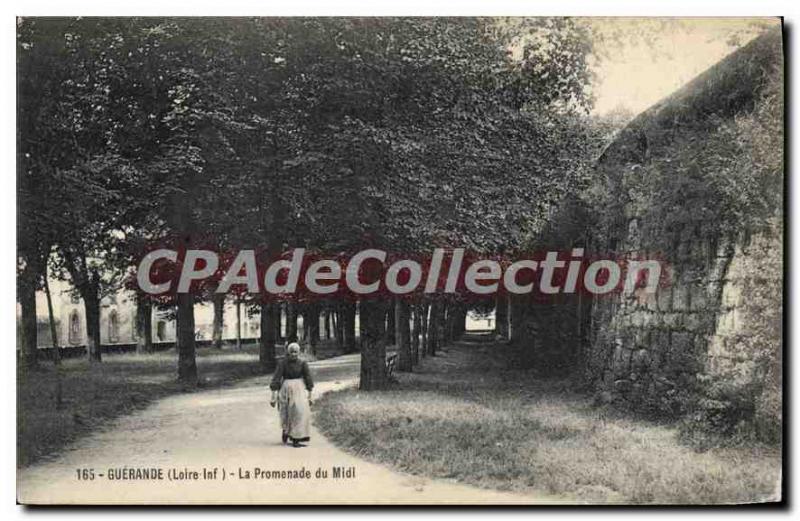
{"type": "Point", "coordinates": [329, 134]}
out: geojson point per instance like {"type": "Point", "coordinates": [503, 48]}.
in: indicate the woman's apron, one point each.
{"type": "Point", "coordinates": [294, 409]}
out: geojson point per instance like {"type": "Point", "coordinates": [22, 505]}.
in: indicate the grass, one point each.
{"type": "Point", "coordinates": [94, 394]}
{"type": "Point", "coordinates": [465, 416]}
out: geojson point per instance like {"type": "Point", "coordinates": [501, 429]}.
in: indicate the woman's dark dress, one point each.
{"type": "Point", "coordinates": [292, 378]}
{"type": "Point", "coordinates": [290, 369]}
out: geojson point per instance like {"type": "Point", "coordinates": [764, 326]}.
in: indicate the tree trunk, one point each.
{"type": "Point", "coordinates": [52, 320]}
{"type": "Point", "coordinates": [278, 322]}
{"type": "Point", "coordinates": [238, 323]}
{"type": "Point", "coordinates": [373, 347]}
{"type": "Point", "coordinates": [423, 324]}
{"type": "Point", "coordinates": [291, 322]}
{"type": "Point", "coordinates": [415, 332]}
{"type": "Point", "coordinates": [390, 326]}
{"type": "Point", "coordinates": [338, 327]}
{"type": "Point", "coordinates": [403, 335]}
{"type": "Point", "coordinates": [144, 326]}
{"type": "Point", "coordinates": [27, 300]}
{"type": "Point", "coordinates": [91, 303]}
{"type": "Point", "coordinates": [266, 348]}
{"type": "Point", "coordinates": [447, 323]}
{"type": "Point", "coordinates": [516, 314]}
{"type": "Point", "coordinates": [219, 320]}
{"type": "Point", "coordinates": [434, 327]}
{"type": "Point", "coordinates": [302, 332]}
{"type": "Point", "coordinates": [59, 393]}
{"type": "Point", "coordinates": [441, 329]}
{"type": "Point", "coordinates": [327, 324]}
{"type": "Point", "coordinates": [501, 317]}
{"type": "Point", "coordinates": [459, 322]}
{"type": "Point", "coordinates": [349, 327]}
{"type": "Point", "coordinates": [311, 324]}
{"type": "Point", "coordinates": [456, 317]}
{"type": "Point", "coordinates": [187, 364]}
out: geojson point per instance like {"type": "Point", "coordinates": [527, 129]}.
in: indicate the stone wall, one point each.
{"type": "Point", "coordinates": [709, 342]}
{"type": "Point", "coordinates": [652, 351]}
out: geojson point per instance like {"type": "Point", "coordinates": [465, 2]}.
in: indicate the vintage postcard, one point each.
{"type": "Point", "coordinates": [399, 261]}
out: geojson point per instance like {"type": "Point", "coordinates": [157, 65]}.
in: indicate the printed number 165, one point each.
{"type": "Point", "coordinates": [85, 474]}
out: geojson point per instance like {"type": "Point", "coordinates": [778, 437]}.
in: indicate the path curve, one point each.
{"type": "Point", "coordinates": [232, 429]}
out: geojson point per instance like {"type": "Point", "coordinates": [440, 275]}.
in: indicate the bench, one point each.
{"type": "Point", "coordinates": [391, 362]}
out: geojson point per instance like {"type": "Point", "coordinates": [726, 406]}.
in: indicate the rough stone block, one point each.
{"type": "Point", "coordinates": [697, 321]}
{"type": "Point", "coordinates": [700, 251]}
{"type": "Point", "coordinates": [716, 346]}
{"type": "Point", "coordinates": [655, 361]}
{"type": "Point", "coordinates": [725, 323]}
{"type": "Point", "coordinates": [672, 320]}
{"type": "Point", "coordinates": [650, 320]}
{"type": "Point", "coordinates": [701, 349]}
{"type": "Point", "coordinates": [699, 298]}
{"type": "Point", "coordinates": [680, 341]}
{"type": "Point", "coordinates": [719, 365]}
{"type": "Point", "coordinates": [647, 300]}
{"type": "Point", "coordinates": [627, 337]}
{"type": "Point", "coordinates": [713, 292]}
{"type": "Point", "coordinates": [683, 355]}
{"type": "Point", "coordinates": [680, 298]}
{"type": "Point", "coordinates": [664, 299]}
{"type": "Point", "coordinates": [659, 341]}
{"type": "Point", "coordinates": [622, 319]}
{"type": "Point", "coordinates": [683, 250]}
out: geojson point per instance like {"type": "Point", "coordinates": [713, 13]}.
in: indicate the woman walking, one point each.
{"type": "Point", "coordinates": [291, 391]}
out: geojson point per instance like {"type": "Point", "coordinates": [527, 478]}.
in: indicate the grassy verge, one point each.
{"type": "Point", "coordinates": [465, 416]}
{"type": "Point", "coordinates": [95, 394]}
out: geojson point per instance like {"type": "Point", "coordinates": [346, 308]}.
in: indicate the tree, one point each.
{"type": "Point", "coordinates": [78, 138]}
{"type": "Point", "coordinates": [39, 76]}
{"type": "Point", "coordinates": [422, 138]}
{"type": "Point", "coordinates": [335, 134]}
{"type": "Point", "coordinates": [347, 315]}
{"type": "Point", "coordinates": [402, 317]}
{"type": "Point", "coordinates": [270, 312]}
{"type": "Point", "coordinates": [144, 324]}
{"type": "Point", "coordinates": [373, 347]}
{"type": "Point", "coordinates": [219, 317]}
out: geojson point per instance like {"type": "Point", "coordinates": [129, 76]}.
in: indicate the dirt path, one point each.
{"type": "Point", "coordinates": [232, 429]}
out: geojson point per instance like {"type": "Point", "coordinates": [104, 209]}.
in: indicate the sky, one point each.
{"type": "Point", "coordinates": [643, 61]}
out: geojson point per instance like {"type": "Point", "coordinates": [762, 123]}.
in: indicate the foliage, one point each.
{"type": "Point", "coordinates": [706, 166]}
{"type": "Point", "coordinates": [315, 132]}
{"type": "Point", "coordinates": [723, 413]}
{"type": "Point", "coordinates": [718, 169]}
